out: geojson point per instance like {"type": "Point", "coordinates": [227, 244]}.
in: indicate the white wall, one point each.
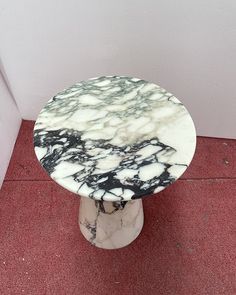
{"type": "Point", "coordinates": [10, 121]}
{"type": "Point", "coordinates": [187, 47]}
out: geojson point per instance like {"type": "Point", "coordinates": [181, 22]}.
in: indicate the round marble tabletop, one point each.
{"type": "Point", "coordinates": [114, 138]}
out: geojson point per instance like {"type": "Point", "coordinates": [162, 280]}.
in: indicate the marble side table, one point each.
{"type": "Point", "coordinates": [113, 140]}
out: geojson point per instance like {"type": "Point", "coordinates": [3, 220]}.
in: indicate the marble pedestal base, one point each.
{"type": "Point", "coordinates": [110, 225]}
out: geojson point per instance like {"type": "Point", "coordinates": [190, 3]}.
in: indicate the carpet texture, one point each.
{"type": "Point", "coordinates": [187, 245]}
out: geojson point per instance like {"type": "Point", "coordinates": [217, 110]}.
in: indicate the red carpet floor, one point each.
{"type": "Point", "coordinates": [187, 246]}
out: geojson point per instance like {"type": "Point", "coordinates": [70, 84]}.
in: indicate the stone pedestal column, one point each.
{"type": "Point", "coordinates": [110, 225]}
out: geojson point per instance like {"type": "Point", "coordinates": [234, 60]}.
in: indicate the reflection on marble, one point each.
{"type": "Point", "coordinates": [114, 138]}
{"type": "Point", "coordinates": [110, 225]}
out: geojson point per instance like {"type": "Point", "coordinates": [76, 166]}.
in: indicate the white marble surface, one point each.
{"type": "Point", "coordinates": [114, 138]}
{"type": "Point", "coordinates": [110, 225]}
